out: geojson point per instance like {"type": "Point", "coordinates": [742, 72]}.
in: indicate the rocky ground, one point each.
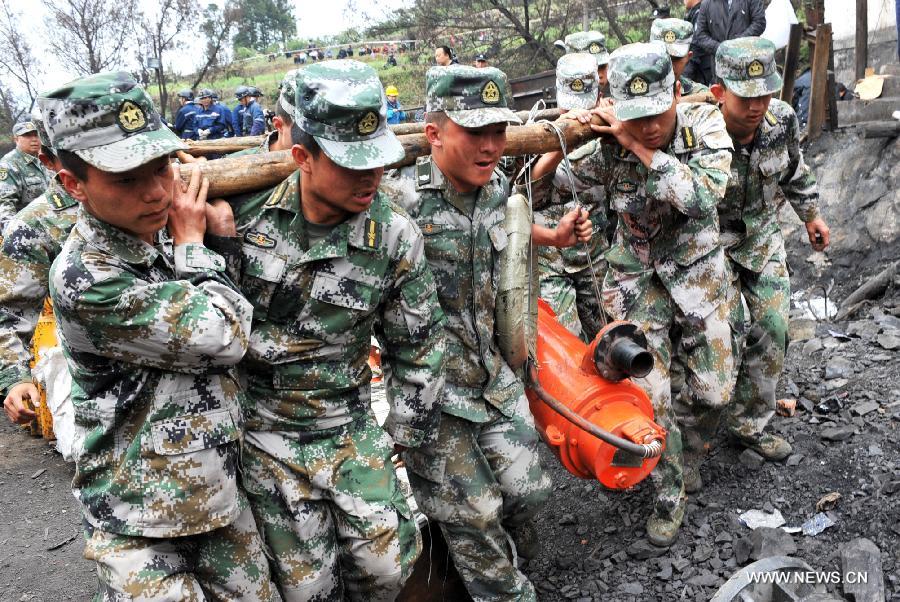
{"type": "Point", "coordinates": [845, 377]}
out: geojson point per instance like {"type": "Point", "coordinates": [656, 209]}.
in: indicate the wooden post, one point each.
{"type": "Point", "coordinates": [818, 95]}
{"type": "Point", "coordinates": [791, 59]}
{"type": "Point", "coordinates": [862, 37]}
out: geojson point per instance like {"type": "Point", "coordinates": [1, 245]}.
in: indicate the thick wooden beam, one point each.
{"type": "Point", "coordinates": [818, 96]}
{"type": "Point", "coordinates": [862, 37]}
{"type": "Point", "coordinates": [791, 59]}
{"type": "Point", "coordinates": [234, 175]}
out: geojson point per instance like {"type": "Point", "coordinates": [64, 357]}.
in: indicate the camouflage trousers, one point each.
{"type": "Point", "coordinates": [767, 295]}
{"type": "Point", "coordinates": [478, 482]}
{"type": "Point", "coordinates": [226, 564]}
{"type": "Point", "coordinates": [331, 512]}
{"type": "Point", "coordinates": [705, 349]}
{"type": "Point", "coordinates": [572, 297]}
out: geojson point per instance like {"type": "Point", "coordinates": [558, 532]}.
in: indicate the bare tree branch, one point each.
{"type": "Point", "coordinates": [15, 53]}
{"type": "Point", "coordinates": [89, 36]}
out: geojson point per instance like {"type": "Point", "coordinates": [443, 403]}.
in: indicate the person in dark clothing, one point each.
{"type": "Point", "coordinates": [693, 69]}
{"type": "Point", "coordinates": [720, 20]}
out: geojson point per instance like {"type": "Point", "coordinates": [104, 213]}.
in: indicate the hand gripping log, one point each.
{"type": "Point", "coordinates": [247, 173]}
{"type": "Point", "coordinates": [200, 148]}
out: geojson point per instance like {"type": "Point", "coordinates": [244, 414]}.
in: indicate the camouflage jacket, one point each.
{"type": "Point", "coordinates": [463, 251]}
{"type": "Point", "coordinates": [31, 241]}
{"type": "Point", "coordinates": [151, 339]}
{"type": "Point", "coordinates": [22, 179]}
{"type": "Point", "coordinates": [668, 223]}
{"type": "Point", "coordinates": [551, 205]}
{"type": "Point", "coordinates": [315, 311]}
{"type": "Point", "coordinates": [749, 211]}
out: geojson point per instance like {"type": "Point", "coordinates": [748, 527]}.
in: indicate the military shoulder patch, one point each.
{"type": "Point", "coordinates": [623, 152]}
{"type": "Point", "coordinates": [771, 119]}
{"type": "Point", "coordinates": [372, 236]}
{"type": "Point", "coordinates": [60, 202]}
{"type": "Point", "coordinates": [131, 117]}
{"type": "Point", "coordinates": [626, 186]}
{"type": "Point", "coordinates": [4, 173]}
{"type": "Point", "coordinates": [687, 134]}
{"type": "Point", "coordinates": [259, 239]}
{"type": "Point", "coordinates": [490, 93]}
{"type": "Point", "coordinates": [423, 173]}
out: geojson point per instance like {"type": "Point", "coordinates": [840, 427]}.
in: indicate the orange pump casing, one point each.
{"type": "Point", "coordinates": [621, 408]}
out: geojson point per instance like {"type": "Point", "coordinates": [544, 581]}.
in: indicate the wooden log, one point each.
{"type": "Point", "coordinates": [871, 288]}
{"type": "Point", "coordinates": [234, 175]}
{"type": "Point", "coordinates": [818, 96]}
{"type": "Point", "coordinates": [200, 148]}
{"type": "Point", "coordinates": [862, 38]}
{"type": "Point", "coordinates": [791, 59]}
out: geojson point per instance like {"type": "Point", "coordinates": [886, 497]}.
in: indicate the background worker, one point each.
{"type": "Point", "coordinates": [22, 177]}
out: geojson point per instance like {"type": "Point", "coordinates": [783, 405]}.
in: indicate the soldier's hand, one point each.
{"type": "Point", "coordinates": [17, 402]}
{"type": "Point", "coordinates": [819, 234]}
{"type": "Point", "coordinates": [183, 157]}
{"type": "Point", "coordinates": [202, 134]}
{"type": "Point", "coordinates": [603, 103]}
{"type": "Point", "coordinates": [187, 214]}
{"type": "Point", "coordinates": [580, 115]}
{"type": "Point", "coordinates": [573, 228]}
{"type": "Point", "coordinates": [220, 218]}
{"type": "Point", "coordinates": [614, 128]}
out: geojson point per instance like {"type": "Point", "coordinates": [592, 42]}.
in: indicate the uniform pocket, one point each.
{"type": "Point", "coordinates": [262, 272]}
{"type": "Point", "coordinates": [192, 433]}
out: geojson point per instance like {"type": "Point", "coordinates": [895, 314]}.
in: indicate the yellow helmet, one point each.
{"type": "Point", "coordinates": [391, 91]}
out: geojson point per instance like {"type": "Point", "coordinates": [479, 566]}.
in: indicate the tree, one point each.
{"type": "Point", "coordinates": [10, 113]}
{"type": "Point", "coordinates": [16, 58]}
{"type": "Point", "coordinates": [89, 36]}
{"type": "Point", "coordinates": [264, 22]}
{"type": "Point", "coordinates": [218, 23]}
{"type": "Point", "coordinates": [158, 34]}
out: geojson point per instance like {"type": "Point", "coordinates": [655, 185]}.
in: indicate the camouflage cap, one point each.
{"type": "Point", "coordinates": [287, 91]}
{"type": "Point", "coordinates": [23, 127]}
{"type": "Point", "coordinates": [577, 82]}
{"type": "Point", "coordinates": [641, 80]}
{"type": "Point", "coordinates": [471, 97]}
{"type": "Point", "coordinates": [676, 34]}
{"type": "Point", "coordinates": [592, 42]}
{"type": "Point", "coordinates": [108, 120]}
{"type": "Point", "coordinates": [38, 120]}
{"type": "Point", "coordinates": [747, 66]}
{"type": "Point", "coordinates": [341, 103]}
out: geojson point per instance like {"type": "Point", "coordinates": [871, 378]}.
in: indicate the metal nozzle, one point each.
{"type": "Point", "coordinates": [621, 352]}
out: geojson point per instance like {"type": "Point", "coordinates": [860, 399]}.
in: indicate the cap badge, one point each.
{"type": "Point", "coordinates": [669, 37]}
{"type": "Point", "coordinates": [131, 117]}
{"type": "Point", "coordinates": [490, 93]}
{"type": "Point", "coordinates": [594, 48]}
{"type": "Point", "coordinates": [638, 86]}
{"type": "Point", "coordinates": [577, 85]}
{"type": "Point", "coordinates": [755, 69]}
{"type": "Point", "coordinates": [368, 124]}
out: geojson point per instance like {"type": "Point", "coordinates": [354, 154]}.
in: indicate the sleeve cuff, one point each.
{"type": "Point", "coordinates": [405, 435]}
{"type": "Point", "coordinates": [661, 161]}
{"type": "Point", "coordinates": [193, 257]}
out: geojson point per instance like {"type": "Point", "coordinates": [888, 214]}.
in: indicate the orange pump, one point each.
{"type": "Point", "coordinates": [568, 372]}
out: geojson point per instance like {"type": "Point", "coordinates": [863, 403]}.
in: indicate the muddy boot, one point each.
{"type": "Point", "coordinates": [662, 527]}
{"type": "Point", "coordinates": [525, 536]}
{"type": "Point", "coordinates": [770, 447]}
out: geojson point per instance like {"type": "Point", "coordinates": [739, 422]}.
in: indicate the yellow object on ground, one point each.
{"type": "Point", "coordinates": [44, 338]}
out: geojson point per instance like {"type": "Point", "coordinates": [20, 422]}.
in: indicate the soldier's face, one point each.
{"type": "Point", "coordinates": [29, 143]}
{"type": "Point", "coordinates": [466, 156]}
{"type": "Point", "coordinates": [135, 201]}
{"type": "Point", "coordinates": [601, 74]}
{"type": "Point", "coordinates": [441, 58]}
{"type": "Point", "coordinates": [329, 192]}
{"type": "Point", "coordinates": [654, 132]}
{"type": "Point", "coordinates": [742, 115]}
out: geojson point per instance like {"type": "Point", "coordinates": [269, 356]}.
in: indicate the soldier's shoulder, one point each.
{"type": "Point", "coordinates": [780, 113]}
{"type": "Point", "coordinates": [705, 123]}
{"type": "Point", "coordinates": [585, 150]}
{"type": "Point", "coordinates": [400, 191]}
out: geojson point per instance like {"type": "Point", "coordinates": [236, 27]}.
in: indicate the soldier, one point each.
{"type": "Point", "coordinates": [210, 122]}
{"type": "Point", "coordinates": [327, 259]}
{"type": "Point", "coordinates": [677, 35]}
{"type": "Point", "coordinates": [767, 157]}
{"type": "Point", "coordinates": [22, 177]}
{"type": "Point", "coordinates": [31, 241]}
{"type": "Point", "coordinates": [184, 119]}
{"type": "Point", "coordinates": [664, 174]}
{"type": "Point", "coordinates": [481, 480]}
{"type": "Point", "coordinates": [237, 115]}
{"type": "Point", "coordinates": [567, 282]}
{"type": "Point", "coordinates": [150, 337]}
{"type": "Point", "coordinates": [592, 42]}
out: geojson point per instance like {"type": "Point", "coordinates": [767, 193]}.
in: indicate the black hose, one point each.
{"type": "Point", "coordinates": [644, 450]}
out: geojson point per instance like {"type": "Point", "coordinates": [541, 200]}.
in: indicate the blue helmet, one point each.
{"type": "Point", "coordinates": [186, 93]}
{"type": "Point", "coordinates": [241, 91]}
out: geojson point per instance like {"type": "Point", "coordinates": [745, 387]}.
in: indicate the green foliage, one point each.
{"type": "Point", "coordinates": [263, 23]}
{"type": "Point", "coordinates": [241, 53]}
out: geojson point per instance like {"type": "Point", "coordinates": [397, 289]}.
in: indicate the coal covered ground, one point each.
{"type": "Point", "coordinates": [845, 440]}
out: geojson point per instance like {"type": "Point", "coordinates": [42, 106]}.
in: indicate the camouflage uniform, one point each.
{"type": "Point", "coordinates": [151, 338]}
{"type": "Point", "coordinates": [566, 280]}
{"type": "Point", "coordinates": [316, 464]}
{"type": "Point", "coordinates": [667, 270]}
{"type": "Point", "coordinates": [482, 478]}
{"type": "Point", "coordinates": [31, 241]}
{"type": "Point", "coordinates": [22, 177]}
{"type": "Point", "coordinates": [750, 231]}
{"type": "Point", "coordinates": [677, 35]}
